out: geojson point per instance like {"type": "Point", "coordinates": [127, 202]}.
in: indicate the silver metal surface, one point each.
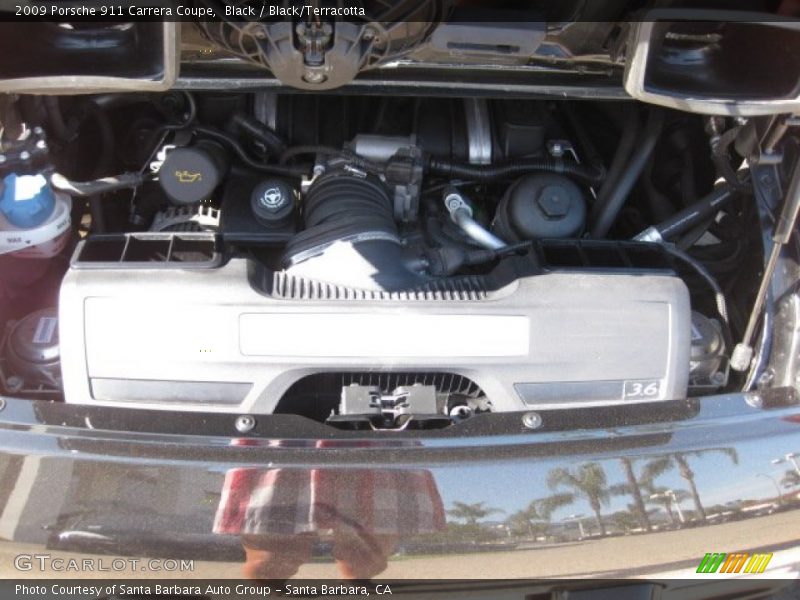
{"type": "Point", "coordinates": [640, 45]}
{"type": "Point", "coordinates": [379, 148]}
{"type": "Point", "coordinates": [177, 326]}
{"type": "Point", "coordinates": [34, 339]}
{"type": "Point", "coordinates": [479, 130]}
{"type": "Point", "coordinates": [437, 79]}
{"type": "Point", "coordinates": [245, 423]}
{"type": "Point", "coordinates": [265, 108]}
{"type": "Point", "coordinates": [95, 84]}
{"type": "Point", "coordinates": [461, 213]}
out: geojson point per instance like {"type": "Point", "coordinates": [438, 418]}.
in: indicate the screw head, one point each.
{"type": "Point", "coordinates": [532, 420]}
{"type": "Point", "coordinates": [245, 423]}
{"type": "Point", "coordinates": [24, 155]}
{"type": "Point", "coordinates": [41, 144]}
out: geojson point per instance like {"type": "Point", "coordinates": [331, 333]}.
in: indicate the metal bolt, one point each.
{"type": "Point", "coordinates": [461, 412]}
{"type": "Point", "coordinates": [319, 170]}
{"type": "Point", "coordinates": [14, 384]}
{"type": "Point", "coordinates": [453, 202]}
{"type": "Point", "coordinates": [532, 420]}
{"type": "Point", "coordinates": [369, 33]}
{"type": "Point", "coordinates": [24, 155]}
{"type": "Point", "coordinates": [41, 144]}
{"type": "Point", "coordinates": [314, 77]}
{"type": "Point", "coordinates": [556, 149]}
{"type": "Point", "coordinates": [38, 130]}
{"type": "Point", "coordinates": [245, 423]}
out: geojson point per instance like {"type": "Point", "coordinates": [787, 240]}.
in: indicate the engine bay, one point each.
{"type": "Point", "coordinates": [373, 262]}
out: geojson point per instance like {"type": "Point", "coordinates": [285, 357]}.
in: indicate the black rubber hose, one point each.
{"type": "Point", "coordinates": [104, 162]}
{"type": "Point", "coordinates": [719, 295]}
{"type": "Point", "coordinates": [245, 158]}
{"type": "Point", "coordinates": [685, 219]}
{"type": "Point", "coordinates": [97, 186]}
{"type": "Point", "coordinates": [343, 157]}
{"type": "Point", "coordinates": [582, 136]}
{"type": "Point", "coordinates": [294, 151]}
{"type": "Point", "coordinates": [257, 130]}
{"type": "Point", "coordinates": [660, 206]}
{"type": "Point", "coordinates": [485, 173]}
{"type": "Point", "coordinates": [630, 132]}
{"type": "Point", "coordinates": [191, 115]}
{"type": "Point", "coordinates": [722, 159]}
{"type": "Point", "coordinates": [608, 210]}
{"type": "Point", "coordinates": [92, 113]}
{"type": "Point", "coordinates": [55, 119]}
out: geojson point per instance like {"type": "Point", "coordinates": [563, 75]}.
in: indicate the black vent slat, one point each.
{"type": "Point", "coordinates": [601, 254]}
{"type": "Point", "coordinates": [387, 381]}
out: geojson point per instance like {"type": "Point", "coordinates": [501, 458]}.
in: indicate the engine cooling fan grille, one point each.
{"type": "Point", "coordinates": [317, 395]}
{"type": "Point", "coordinates": [445, 383]}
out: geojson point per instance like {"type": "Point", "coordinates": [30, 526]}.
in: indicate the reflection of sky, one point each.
{"type": "Point", "coordinates": [718, 480]}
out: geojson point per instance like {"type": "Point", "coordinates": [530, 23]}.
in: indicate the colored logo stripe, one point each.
{"type": "Point", "coordinates": [710, 563]}
{"type": "Point", "coordinates": [758, 563]}
{"type": "Point", "coordinates": [734, 563]}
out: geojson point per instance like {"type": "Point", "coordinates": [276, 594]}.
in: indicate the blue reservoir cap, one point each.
{"type": "Point", "coordinates": [27, 200]}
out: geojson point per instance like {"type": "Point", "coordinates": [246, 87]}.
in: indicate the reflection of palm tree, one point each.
{"type": "Point", "coordinates": [537, 513]}
{"type": "Point", "coordinates": [633, 488]}
{"type": "Point", "coordinates": [625, 520]}
{"type": "Point", "coordinates": [663, 497]}
{"type": "Point", "coordinates": [790, 479]}
{"type": "Point", "coordinates": [471, 513]}
{"type": "Point", "coordinates": [589, 481]}
{"type": "Point", "coordinates": [680, 460]}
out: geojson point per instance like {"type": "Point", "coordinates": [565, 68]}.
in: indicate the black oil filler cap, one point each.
{"type": "Point", "coordinates": [190, 174]}
{"type": "Point", "coordinates": [272, 202]}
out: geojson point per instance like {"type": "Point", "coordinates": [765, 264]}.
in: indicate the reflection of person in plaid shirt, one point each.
{"type": "Point", "coordinates": [281, 513]}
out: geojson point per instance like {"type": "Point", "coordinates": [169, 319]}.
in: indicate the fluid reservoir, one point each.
{"type": "Point", "coordinates": [190, 174]}
{"type": "Point", "coordinates": [34, 227]}
{"type": "Point", "coordinates": [33, 351]}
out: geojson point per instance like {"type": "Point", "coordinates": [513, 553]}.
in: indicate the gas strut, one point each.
{"type": "Point", "coordinates": [743, 353]}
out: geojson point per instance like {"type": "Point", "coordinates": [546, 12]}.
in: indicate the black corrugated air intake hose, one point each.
{"type": "Point", "coordinates": [350, 237]}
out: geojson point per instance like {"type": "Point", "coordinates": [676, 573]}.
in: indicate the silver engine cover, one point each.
{"type": "Point", "coordinates": [206, 339]}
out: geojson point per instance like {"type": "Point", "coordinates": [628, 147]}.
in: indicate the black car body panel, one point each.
{"type": "Point", "coordinates": [110, 485]}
